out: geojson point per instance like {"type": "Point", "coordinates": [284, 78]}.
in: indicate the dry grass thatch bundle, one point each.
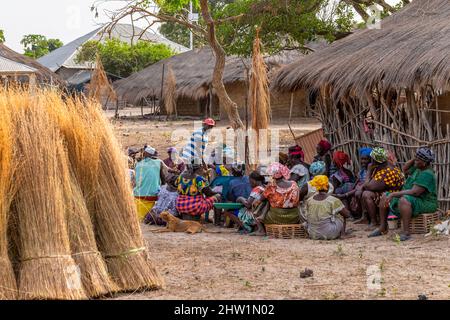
{"type": "Point", "coordinates": [118, 231]}
{"type": "Point", "coordinates": [259, 93]}
{"type": "Point", "coordinates": [100, 88]}
{"type": "Point", "coordinates": [46, 269]}
{"type": "Point", "coordinates": [83, 149]}
{"type": "Point", "coordinates": [8, 285]}
{"type": "Point", "coordinates": [170, 87]}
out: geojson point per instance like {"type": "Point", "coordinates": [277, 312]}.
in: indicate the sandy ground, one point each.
{"type": "Point", "coordinates": [232, 266]}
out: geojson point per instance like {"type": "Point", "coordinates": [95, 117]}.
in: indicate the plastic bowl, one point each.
{"type": "Point", "coordinates": [228, 206]}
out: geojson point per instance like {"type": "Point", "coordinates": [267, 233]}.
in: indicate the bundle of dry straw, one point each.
{"type": "Point", "coordinates": [46, 269]}
{"type": "Point", "coordinates": [100, 88]}
{"type": "Point", "coordinates": [118, 231]}
{"type": "Point", "coordinates": [169, 97]}
{"type": "Point", "coordinates": [8, 285]}
{"type": "Point", "coordinates": [83, 149]}
{"type": "Point", "coordinates": [259, 93]}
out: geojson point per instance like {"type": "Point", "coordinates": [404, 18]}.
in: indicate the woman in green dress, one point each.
{"type": "Point", "coordinates": [417, 196]}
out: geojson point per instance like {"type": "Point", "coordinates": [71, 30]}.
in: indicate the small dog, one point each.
{"type": "Point", "coordinates": [177, 225]}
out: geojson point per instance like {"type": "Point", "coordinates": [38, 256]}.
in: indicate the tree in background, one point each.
{"type": "Point", "coordinates": [122, 59]}
{"type": "Point", "coordinates": [230, 27]}
{"type": "Point", "coordinates": [36, 45]}
{"type": "Point", "coordinates": [2, 36]}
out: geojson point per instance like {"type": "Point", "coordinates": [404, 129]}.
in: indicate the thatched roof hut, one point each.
{"type": "Point", "coordinates": [193, 71]}
{"type": "Point", "coordinates": [388, 86]}
{"type": "Point", "coordinates": [409, 50]}
{"type": "Point", "coordinates": [26, 66]}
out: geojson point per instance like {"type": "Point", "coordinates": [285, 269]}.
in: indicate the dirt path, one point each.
{"type": "Point", "coordinates": [231, 266]}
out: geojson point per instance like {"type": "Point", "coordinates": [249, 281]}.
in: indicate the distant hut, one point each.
{"type": "Point", "coordinates": [388, 86]}
{"type": "Point", "coordinates": [15, 67]}
{"type": "Point", "coordinates": [194, 93]}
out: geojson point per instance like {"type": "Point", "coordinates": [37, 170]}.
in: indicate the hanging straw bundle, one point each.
{"type": "Point", "coordinates": [100, 88]}
{"type": "Point", "coordinates": [83, 148]}
{"type": "Point", "coordinates": [169, 97]}
{"type": "Point", "coordinates": [46, 269]}
{"type": "Point", "coordinates": [118, 231]}
{"type": "Point", "coordinates": [259, 93]}
{"type": "Point", "coordinates": [8, 285]}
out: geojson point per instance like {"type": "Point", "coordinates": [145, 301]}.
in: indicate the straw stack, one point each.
{"type": "Point", "coordinates": [81, 146]}
{"type": "Point", "coordinates": [170, 88]}
{"type": "Point", "coordinates": [46, 269]}
{"type": "Point", "coordinates": [8, 285]}
{"type": "Point", "coordinates": [118, 231]}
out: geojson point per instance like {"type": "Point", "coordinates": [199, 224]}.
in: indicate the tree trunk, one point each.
{"type": "Point", "coordinates": [217, 82]}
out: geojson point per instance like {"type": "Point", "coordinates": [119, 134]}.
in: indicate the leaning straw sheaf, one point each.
{"type": "Point", "coordinates": [46, 268]}
{"type": "Point", "coordinates": [409, 50]}
{"type": "Point", "coordinates": [79, 173]}
{"type": "Point", "coordinates": [118, 231]}
{"type": "Point", "coordinates": [169, 96]}
{"type": "Point", "coordinates": [8, 285]}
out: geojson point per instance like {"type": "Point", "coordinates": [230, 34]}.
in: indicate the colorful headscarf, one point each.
{"type": "Point", "coordinates": [325, 145]}
{"type": "Point", "coordinates": [379, 155]}
{"type": "Point", "coordinates": [172, 150]}
{"type": "Point", "coordinates": [340, 158]}
{"type": "Point", "coordinates": [297, 151]}
{"type": "Point", "coordinates": [425, 154]}
{"type": "Point", "coordinates": [320, 183]}
{"type": "Point", "coordinates": [318, 168]}
{"type": "Point", "coordinates": [365, 152]}
{"type": "Point", "coordinates": [277, 171]}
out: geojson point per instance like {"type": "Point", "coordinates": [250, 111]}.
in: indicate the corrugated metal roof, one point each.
{"type": "Point", "coordinates": [308, 142]}
{"type": "Point", "coordinates": [7, 65]}
{"type": "Point", "coordinates": [66, 55]}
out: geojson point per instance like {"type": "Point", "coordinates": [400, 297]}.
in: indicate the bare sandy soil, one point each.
{"type": "Point", "coordinates": [232, 266]}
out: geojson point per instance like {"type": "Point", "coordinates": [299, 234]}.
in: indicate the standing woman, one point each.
{"type": "Point", "coordinates": [149, 178]}
{"type": "Point", "coordinates": [323, 154]}
{"type": "Point", "coordinates": [283, 196]}
{"type": "Point", "coordinates": [195, 197]}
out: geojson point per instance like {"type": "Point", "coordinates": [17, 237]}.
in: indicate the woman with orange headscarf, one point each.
{"type": "Point", "coordinates": [325, 215]}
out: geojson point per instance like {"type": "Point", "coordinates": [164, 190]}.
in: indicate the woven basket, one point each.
{"type": "Point", "coordinates": [286, 231]}
{"type": "Point", "coordinates": [423, 223]}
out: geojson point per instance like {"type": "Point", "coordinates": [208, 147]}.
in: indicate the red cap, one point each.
{"type": "Point", "coordinates": [210, 122]}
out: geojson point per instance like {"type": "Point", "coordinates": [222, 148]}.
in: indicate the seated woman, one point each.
{"type": "Point", "coordinates": [355, 196]}
{"type": "Point", "coordinates": [325, 215]}
{"type": "Point", "coordinates": [323, 154]}
{"type": "Point", "coordinates": [167, 199]}
{"type": "Point", "coordinates": [417, 196]}
{"type": "Point", "coordinates": [382, 177]}
{"type": "Point", "coordinates": [343, 179]}
{"type": "Point", "coordinates": [195, 197]}
{"type": "Point", "coordinates": [299, 169]}
{"type": "Point", "coordinates": [238, 187]}
{"type": "Point", "coordinates": [308, 190]}
{"type": "Point", "coordinates": [246, 219]}
{"type": "Point", "coordinates": [283, 196]}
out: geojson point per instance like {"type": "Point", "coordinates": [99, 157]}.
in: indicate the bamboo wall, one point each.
{"type": "Point", "coordinates": [400, 121]}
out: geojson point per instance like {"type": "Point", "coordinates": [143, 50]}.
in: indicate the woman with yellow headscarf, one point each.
{"type": "Point", "coordinates": [325, 215]}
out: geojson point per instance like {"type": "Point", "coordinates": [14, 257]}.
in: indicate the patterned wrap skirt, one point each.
{"type": "Point", "coordinates": [194, 205]}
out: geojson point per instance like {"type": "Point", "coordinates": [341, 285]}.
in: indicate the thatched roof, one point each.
{"type": "Point", "coordinates": [410, 50]}
{"type": "Point", "coordinates": [42, 73]}
{"type": "Point", "coordinates": [193, 71]}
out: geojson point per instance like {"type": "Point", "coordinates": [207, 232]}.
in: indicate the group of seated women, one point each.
{"type": "Point", "coordinates": [322, 195]}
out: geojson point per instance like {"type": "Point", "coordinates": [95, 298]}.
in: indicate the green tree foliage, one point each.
{"type": "Point", "coordinates": [36, 45]}
{"type": "Point", "coordinates": [122, 59]}
{"type": "Point", "coordinates": [176, 33]}
{"type": "Point", "coordinates": [2, 36]}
